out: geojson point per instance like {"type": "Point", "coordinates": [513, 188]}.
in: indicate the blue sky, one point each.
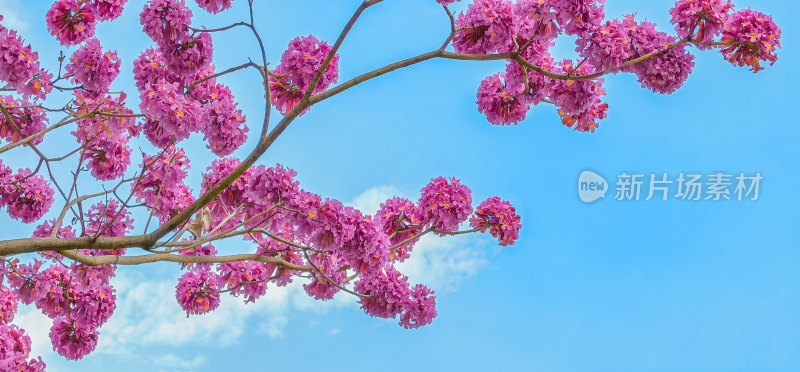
{"type": "Point", "coordinates": [607, 286]}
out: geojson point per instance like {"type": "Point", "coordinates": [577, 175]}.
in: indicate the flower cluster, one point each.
{"type": "Point", "coordinates": [174, 115]}
{"type": "Point", "coordinates": [500, 217]}
{"type": "Point", "coordinates": [401, 221]}
{"type": "Point", "coordinates": [26, 196]}
{"type": "Point", "coordinates": [15, 346]}
{"type": "Point", "coordinates": [19, 66]}
{"type": "Point", "coordinates": [78, 298]}
{"type": "Point", "coordinates": [445, 203]}
{"type": "Point", "coordinates": [93, 69]}
{"type": "Point", "coordinates": [503, 102]}
{"type": "Point", "coordinates": [105, 129]}
{"type": "Point", "coordinates": [224, 124]}
{"type": "Point", "coordinates": [197, 291]}
{"type": "Point", "coordinates": [526, 31]}
{"type": "Point", "coordinates": [389, 295]}
{"type": "Point", "coordinates": [579, 17]}
{"type": "Point", "coordinates": [248, 278]}
{"type": "Point", "coordinates": [328, 278]}
{"type": "Point", "coordinates": [486, 27]}
{"type": "Point", "coordinates": [754, 37]}
{"type": "Point", "coordinates": [300, 63]}
{"type": "Point", "coordinates": [214, 6]}
{"type": "Point", "coordinates": [209, 107]}
{"type": "Point", "coordinates": [702, 20]}
{"type": "Point", "coordinates": [108, 219]}
{"type": "Point", "coordinates": [579, 102]}
{"type": "Point", "coordinates": [666, 70]}
{"type": "Point", "coordinates": [71, 21]}
{"type": "Point", "coordinates": [162, 187]}
{"type": "Point", "coordinates": [107, 10]}
{"type": "Point", "coordinates": [536, 20]}
{"type": "Point", "coordinates": [25, 121]}
{"type": "Point", "coordinates": [166, 21]}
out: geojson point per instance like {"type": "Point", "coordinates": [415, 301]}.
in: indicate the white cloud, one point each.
{"type": "Point", "coordinates": [334, 332]}
{"type": "Point", "coordinates": [369, 201]}
{"type": "Point", "coordinates": [37, 327]}
{"type": "Point", "coordinates": [442, 263]}
{"type": "Point", "coordinates": [173, 362]}
{"type": "Point", "coordinates": [11, 15]}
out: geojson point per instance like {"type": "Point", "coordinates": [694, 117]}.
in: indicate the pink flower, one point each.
{"type": "Point", "coordinates": [8, 305]}
{"type": "Point", "coordinates": [201, 251]}
{"type": "Point", "coordinates": [445, 203]}
{"type": "Point", "coordinates": [166, 21]}
{"type": "Point", "coordinates": [174, 113]}
{"type": "Point", "coordinates": [88, 278]}
{"type": "Point", "coordinates": [15, 346]}
{"type": "Point", "coordinates": [244, 277]}
{"type": "Point", "coordinates": [197, 292]}
{"type": "Point", "coordinates": [704, 18]}
{"type": "Point", "coordinates": [280, 275]}
{"type": "Point", "coordinates": [149, 68]}
{"type": "Point", "coordinates": [579, 17]}
{"type": "Point", "coordinates": [46, 228]}
{"type": "Point", "coordinates": [225, 125]}
{"type": "Point", "coordinates": [40, 84]}
{"type": "Point", "coordinates": [665, 72]}
{"type": "Point", "coordinates": [93, 69]}
{"type": "Point", "coordinates": [578, 102]}
{"type": "Point", "coordinates": [71, 21]}
{"type": "Point", "coordinates": [536, 19]}
{"type": "Point", "coordinates": [52, 290]}
{"type": "Point", "coordinates": [107, 10]}
{"type": "Point", "coordinates": [503, 104]}
{"type": "Point", "coordinates": [331, 225]}
{"type": "Point", "coordinates": [110, 219]}
{"type": "Point", "coordinates": [500, 217]}
{"type": "Point", "coordinates": [539, 86]}
{"type": "Point", "coordinates": [214, 6]}
{"type": "Point", "coordinates": [94, 307]}
{"type": "Point", "coordinates": [368, 250]}
{"type": "Point", "coordinates": [400, 219]}
{"type": "Point", "coordinates": [229, 200]}
{"type": "Point", "coordinates": [330, 264]}
{"type": "Point", "coordinates": [299, 65]}
{"type": "Point", "coordinates": [188, 55]}
{"type": "Point", "coordinates": [608, 47]}
{"type": "Point", "coordinates": [486, 27]}
{"type": "Point", "coordinates": [269, 186]}
{"type": "Point", "coordinates": [162, 187]}
{"type": "Point", "coordinates": [446, 2]}
{"type": "Point", "coordinates": [387, 290]}
{"type": "Point", "coordinates": [421, 310]}
{"type": "Point", "coordinates": [108, 160]}
{"type": "Point", "coordinates": [21, 280]}
{"type": "Point", "coordinates": [71, 339]}
{"type": "Point", "coordinates": [26, 121]}
{"type": "Point", "coordinates": [754, 37]}
{"type": "Point", "coordinates": [19, 66]}
{"type": "Point", "coordinates": [101, 127]}
{"type": "Point", "coordinates": [28, 198]}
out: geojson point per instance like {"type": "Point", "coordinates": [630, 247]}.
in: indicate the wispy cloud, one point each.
{"type": "Point", "coordinates": [11, 15]}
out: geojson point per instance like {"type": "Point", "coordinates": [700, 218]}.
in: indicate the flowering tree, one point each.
{"type": "Point", "coordinates": [294, 234]}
